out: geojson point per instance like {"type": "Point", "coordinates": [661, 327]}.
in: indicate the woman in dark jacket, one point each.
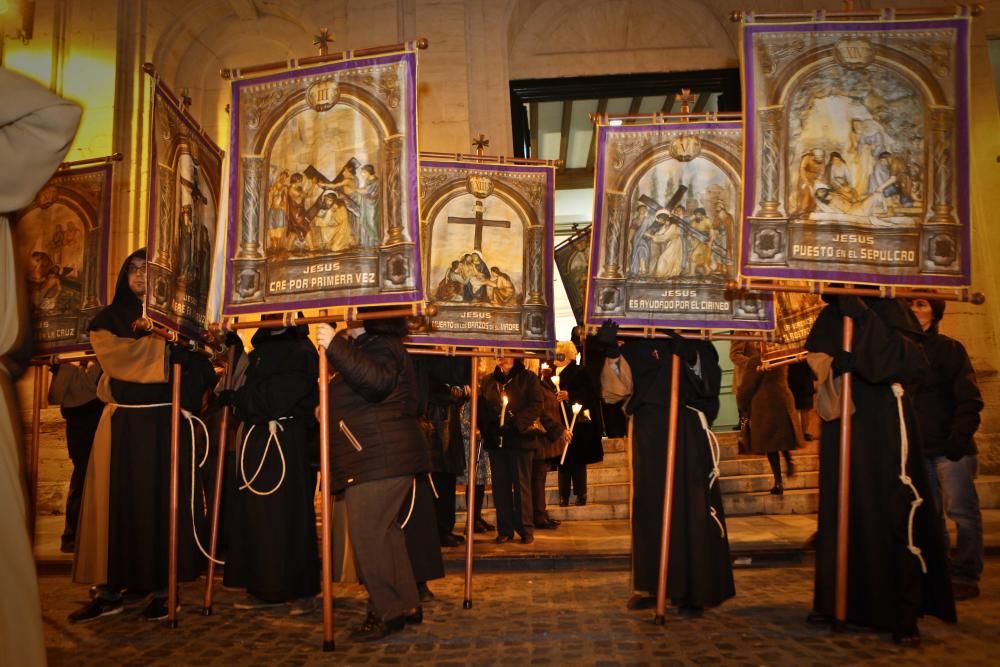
{"type": "Point", "coordinates": [583, 384]}
{"type": "Point", "coordinates": [512, 432]}
{"type": "Point", "coordinates": [377, 450]}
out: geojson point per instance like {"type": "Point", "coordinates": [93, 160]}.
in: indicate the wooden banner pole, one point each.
{"type": "Point", "coordinates": [844, 481]}
{"type": "Point", "coordinates": [237, 72]}
{"type": "Point", "coordinates": [326, 510]}
{"type": "Point", "coordinates": [33, 452]}
{"type": "Point", "coordinates": [108, 159]}
{"type": "Point", "coordinates": [668, 490]}
{"type": "Point", "coordinates": [220, 462]}
{"type": "Point", "coordinates": [175, 464]}
{"type": "Point", "coordinates": [883, 292]}
{"type": "Point", "coordinates": [908, 12]}
{"type": "Point", "coordinates": [470, 486]}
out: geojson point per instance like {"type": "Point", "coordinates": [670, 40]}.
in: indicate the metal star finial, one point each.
{"type": "Point", "coordinates": [186, 98]}
{"type": "Point", "coordinates": [481, 143]}
{"type": "Point", "coordinates": [322, 40]}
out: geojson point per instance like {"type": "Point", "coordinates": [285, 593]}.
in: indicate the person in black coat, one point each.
{"type": "Point", "coordinates": [272, 526]}
{"type": "Point", "coordinates": [583, 386]}
{"type": "Point", "coordinates": [511, 444]}
{"type": "Point", "coordinates": [377, 451]}
{"type": "Point", "coordinates": [896, 562]}
{"type": "Point", "coordinates": [700, 572]}
{"type": "Point", "coordinates": [948, 403]}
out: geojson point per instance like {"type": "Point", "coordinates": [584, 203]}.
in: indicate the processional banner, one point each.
{"type": "Point", "coordinates": [664, 234]}
{"type": "Point", "coordinates": [857, 152]}
{"type": "Point", "coordinates": [487, 235]}
{"type": "Point", "coordinates": [323, 188]}
{"type": "Point", "coordinates": [185, 182]}
{"type": "Point", "coordinates": [794, 315]}
{"type": "Point", "coordinates": [62, 246]}
{"type": "Point", "coordinates": [572, 258]}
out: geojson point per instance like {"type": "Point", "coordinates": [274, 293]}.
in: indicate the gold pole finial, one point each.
{"type": "Point", "coordinates": [481, 143]}
{"type": "Point", "coordinates": [322, 40]}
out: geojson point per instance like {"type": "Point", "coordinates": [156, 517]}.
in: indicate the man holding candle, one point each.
{"type": "Point", "coordinates": [509, 417]}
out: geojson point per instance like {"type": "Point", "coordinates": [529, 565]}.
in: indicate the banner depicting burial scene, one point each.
{"type": "Point", "coordinates": [857, 152]}
{"type": "Point", "coordinates": [664, 244]}
{"type": "Point", "coordinates": [62, 245]}
{"type": "Point", "coordinates": [794, 315]}
{"type": "Point", "coordinates": [185, 181]}
{"type": "Point", "coordinates": [487, 235]}
{"type": "Point", "coordinates": [572, 258]}
{"type": "Point", "coordinates": [323, 182]}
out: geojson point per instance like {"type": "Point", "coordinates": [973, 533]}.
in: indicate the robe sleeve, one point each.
{"type": "Point", "coordinates": [140, 360]}
{"type": "Point", "coordinates": [280, 395]}
{"type": "Point", "coordinates": [702, 391]}
{"type": "Point", "coordinates": [36, 129]}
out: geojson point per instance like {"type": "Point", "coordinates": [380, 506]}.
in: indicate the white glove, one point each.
{"type": "Point", "coordinates": [324, 335]}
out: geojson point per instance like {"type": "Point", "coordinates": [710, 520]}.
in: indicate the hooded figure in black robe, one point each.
{"type": "Point", "coordinates": [887, 587]}
{"type": "Point", "coordinates": [124, 523]}
{"type": "Point", "coordinates": [699, 572]}
{"type": "Point", "coordinates": [272, 536]}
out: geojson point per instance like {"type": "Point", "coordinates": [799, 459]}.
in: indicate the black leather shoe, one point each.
{"type": "Point", "coordinates": [819, 618]}
{"type": "Point", "coordinates": [638, 601]}
{"type": "Point", "coordinates": [415, 617]}
{"type": "Point", "coordinates": [374, 629]}
{"type": "Point", "coordinates": [564, 502]}
{"type": "Point", "coordinates": [504, 539]}
{"type": "Point", "coordinates": [581, 500]}
{"type": "Point", "coordinates": [777, 490]}
{"type": "Point", "coordinates": [452, 540]}
{"type": "Point", "coordinates": [482, 526]}
{"type": "Point", "coordinates": [527, 539]}
{"type": "Point", "coordinates": [908, 638]}
{"type": "Point", "coordinates": [690, 611]}
{"type": "Point", "coordinates": [546, 524]}
{"type": "Point", "coordinates": [156, 610]}
{"type": "Point", "coordinates": [425, 593]}
{"type": "Point", "coordinates": [95, 609]}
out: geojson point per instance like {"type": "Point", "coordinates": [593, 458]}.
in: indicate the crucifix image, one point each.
{"type": "Point", "coordinates": [479, 222]}
{"type": "Point", "coordinates": [685, 98]}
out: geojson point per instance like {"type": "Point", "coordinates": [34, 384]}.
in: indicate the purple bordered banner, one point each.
{"type": "Point", "coordinates": [323, 208]}
{"type": "Point", "coordinates": [487, 235]}
{"type": "Point", "coordinates": [61, 240]}
{"type": "Point", "coordinates": [664, 235]}
{"type": "Point", "coordinates": [184, 189]}
{"type": "Point", "coordinates": [857, 152]}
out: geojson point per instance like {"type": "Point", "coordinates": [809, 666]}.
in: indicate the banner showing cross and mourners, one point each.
{"type": "Point", "coordinates": [487, 248]}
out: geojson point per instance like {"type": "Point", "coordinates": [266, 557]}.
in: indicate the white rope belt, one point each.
{"type": "Point", "coordinates": [904, 455]}
{"type": "Point", "coordinates": [191, 419]}
{"type": "Point", "coordinates": [413, 501]}
{"type": "Point", "coordinates": [273, 426]}
{"type": "Point", "coordinates": [716, 451]}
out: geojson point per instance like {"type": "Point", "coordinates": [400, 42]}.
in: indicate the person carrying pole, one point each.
{"type": "Point", "coordinates": [700, 572]}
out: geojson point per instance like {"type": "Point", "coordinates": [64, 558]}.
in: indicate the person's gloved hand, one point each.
{"type": "Point", "coordinates": [851, 306]}
{"type": "Point", "coordinates": [683, 348]}
{"type": "Point", "coordinates": [841, 362]}
{"type": "Point", "coordinates": [227, 397]}
{"type": "Point", "coordinates": [324, 335]}
{"type": "Point", "coordinates": [180, 354]}
{"type": "Point", "coordinates": [607, 337]}
{"type": "Point", "coordinates": [955, 449]}
{"type": "Point", "coordinates": [234, 341]}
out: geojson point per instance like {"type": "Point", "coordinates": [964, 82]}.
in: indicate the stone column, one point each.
{"type": "Point", "coordinates": [770, 163]}
{"type": "Point", "coordinates": [165, 236]}
{"type": "Point", "coordinates": [394, 211]}
{"type": "Point", "coordinates": [91, 264]}
{"type": "Point", "coordinates": [253, 169]}
{"type": "Point", "coordinates": [615, 205]}
{"type": "Point", "coordinates": [942, 159]}
{"type": "Point", "coordinates": [536, 241]}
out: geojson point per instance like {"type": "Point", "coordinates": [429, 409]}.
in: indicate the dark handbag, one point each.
{"type": "Point", "coordinates": [743, 439]}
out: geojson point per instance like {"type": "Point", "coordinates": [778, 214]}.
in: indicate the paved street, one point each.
{"type": "Point", "coordinates": [535, 617]}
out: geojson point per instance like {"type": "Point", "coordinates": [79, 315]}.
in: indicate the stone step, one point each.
{"type": "Point", "coordinates": [729, 450]}
{"type": "Point", "coordinates": [596, 474]}
{"type": "Point", "coordinates": [592, 511]}
{"type": "Point", "coordinates": [797, 501]}
{"type": "Point", "coordinates": [758, 465]}
{"type": "Point", "coordinates": [755, 483]}
{"type": "Point", "coordinates": [988, 488]}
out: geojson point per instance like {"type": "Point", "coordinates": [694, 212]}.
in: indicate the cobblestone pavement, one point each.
{"type": "Point", "coordinates": [539, 617]}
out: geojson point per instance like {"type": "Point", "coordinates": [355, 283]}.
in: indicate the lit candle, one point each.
{"type": "Point", "coordinates": [503, 409]}
{"type": "Point", "coordinates": [586, 414]}
{"type": "Point", "coordinates": [576, 412]}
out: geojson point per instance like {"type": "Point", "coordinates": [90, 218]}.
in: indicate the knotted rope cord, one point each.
{"type": "Point", "coordinates": [433, 488]}
{"type": "Point", "coordinates": [273, 426]}
{"type": "Point", "coordinates": [191, 418]}
{"type": "Point", "coordinates": [716, 451]}
{"type": "Point", "coordinates": [904, 455]}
